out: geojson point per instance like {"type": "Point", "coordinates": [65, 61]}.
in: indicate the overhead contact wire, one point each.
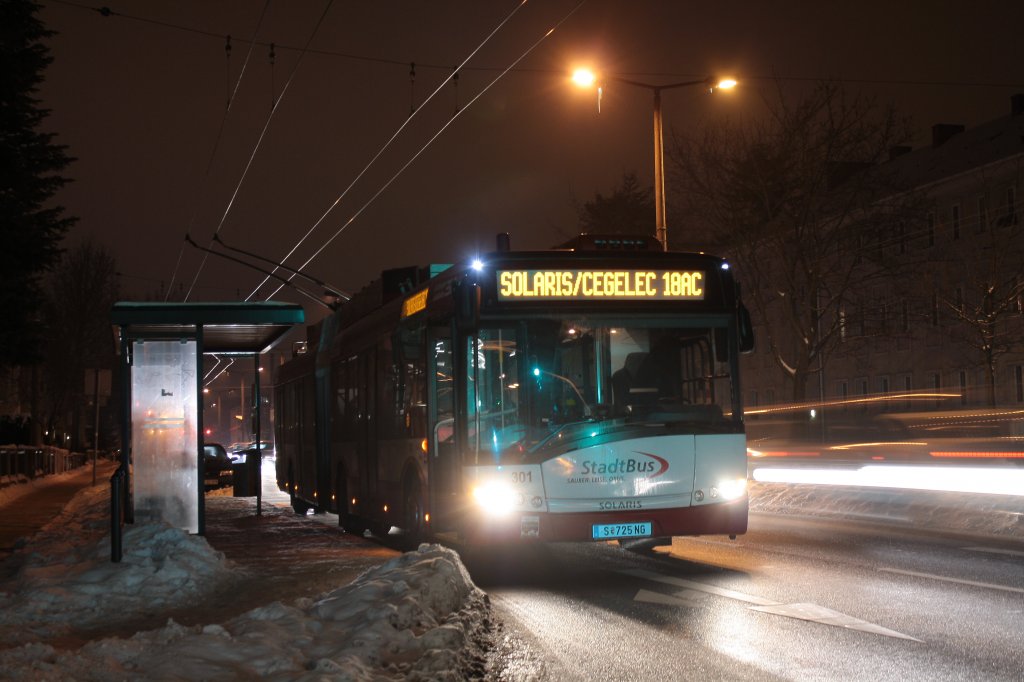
{"type": "Point", "coordinates": [384, 148]}
{"type": "Point", "coordinates": [431, 140]}
{"type": "Point", "coordinates": [259, 142]}
{"type": "Point", "coordinates": [209, 162]}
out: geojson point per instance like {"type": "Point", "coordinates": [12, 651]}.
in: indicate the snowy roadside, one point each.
{"type": "Point", "coordinates": [965, 513]}
{"type": "Point", "coordinates": [416, 616]}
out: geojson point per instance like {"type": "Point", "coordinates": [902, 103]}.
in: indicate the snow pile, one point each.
{"type": "Point", "coordinates": [968, 513]}
{"type": "Point", "coordinates": [415, 617]}
{"type": "Point", "coordinates": [65, 578]}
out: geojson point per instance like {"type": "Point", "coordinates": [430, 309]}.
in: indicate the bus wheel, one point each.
{"type": "Point", "coordinates": [300, 507]}
{"type": "Point", "coordinates": [412, 514]}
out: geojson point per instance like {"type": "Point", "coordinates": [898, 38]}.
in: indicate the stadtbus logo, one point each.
{"type": "Point", "coordinates": [653, 467]}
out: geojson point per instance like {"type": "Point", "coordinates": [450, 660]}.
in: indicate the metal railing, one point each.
{"type": "Point", "coordinates": [30, 462]}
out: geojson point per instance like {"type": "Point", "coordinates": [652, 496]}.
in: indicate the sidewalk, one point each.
{"type": "Point", "coordinates": [27, 507]}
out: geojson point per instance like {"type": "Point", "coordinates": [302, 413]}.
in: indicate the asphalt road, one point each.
{"type": "Point", "coordinates": [794, 599]}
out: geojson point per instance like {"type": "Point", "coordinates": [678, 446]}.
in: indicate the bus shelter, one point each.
{"type": "Point", "coordinates": [161, 346]}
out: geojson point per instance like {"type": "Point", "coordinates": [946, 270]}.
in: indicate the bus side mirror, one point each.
{"type": "Point", "coordinates": [467, 306]}
{"type": "Point", "coordinates": [746, 330]}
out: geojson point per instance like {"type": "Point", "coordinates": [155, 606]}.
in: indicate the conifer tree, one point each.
{"type": "Point", "coordinates": [31, 226]}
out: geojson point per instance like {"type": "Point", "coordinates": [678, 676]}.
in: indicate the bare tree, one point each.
{"type": "Point", "coordinates": [802, 202]}
{"type": "Point", "coordinates": [82, 290]}
{"type": "Point", "coordinates": [978, 286]}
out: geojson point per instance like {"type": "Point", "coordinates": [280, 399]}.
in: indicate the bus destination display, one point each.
{"type": "Point", "coordinates": [582, 285]}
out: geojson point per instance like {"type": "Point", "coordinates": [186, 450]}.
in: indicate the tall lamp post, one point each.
{"type": "Point", "coordinates": [587, 78]}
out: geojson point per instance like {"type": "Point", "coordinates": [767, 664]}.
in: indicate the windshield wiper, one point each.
{"type": "Point", "coordinates": [556, 432]}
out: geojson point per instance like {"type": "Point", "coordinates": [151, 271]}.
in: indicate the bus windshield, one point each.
{"type": "Point", "coordinates": [544, 386]}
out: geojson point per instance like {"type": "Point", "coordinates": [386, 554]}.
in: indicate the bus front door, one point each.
{"type": "Point", "coordinates": [444, 475]}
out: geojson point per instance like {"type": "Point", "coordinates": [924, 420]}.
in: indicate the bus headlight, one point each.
{"type": "Point", "coordinates": [732, 488]}
{"type": "Point", "coordinates": [495, 498]}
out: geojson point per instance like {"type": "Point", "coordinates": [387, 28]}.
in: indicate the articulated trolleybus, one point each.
{"type": "Point", "coordinates": [585, 393]}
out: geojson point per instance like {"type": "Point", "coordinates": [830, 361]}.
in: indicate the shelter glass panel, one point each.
{"type": "Point", "coordinates": [165, 455]}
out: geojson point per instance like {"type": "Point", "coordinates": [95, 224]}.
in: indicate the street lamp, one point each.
{"type": "Point", "coordinates": [586, 78]}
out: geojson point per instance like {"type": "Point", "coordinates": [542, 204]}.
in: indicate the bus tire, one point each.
{"type": "Point", "coordinates": [380, 528]}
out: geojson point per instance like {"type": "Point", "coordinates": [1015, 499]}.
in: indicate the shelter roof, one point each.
{"type": "Point", "coordinates": [228, 327]}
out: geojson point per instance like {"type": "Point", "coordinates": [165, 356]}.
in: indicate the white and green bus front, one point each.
{"type": "Point", "coordinates": [600, 398]}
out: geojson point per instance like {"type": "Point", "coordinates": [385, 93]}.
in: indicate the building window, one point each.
{"type": "Point", "coordinates": [904, 316]}
{"type": "Point", "coordinates": [844, 391]}
{"type": "Point", "coordinates": [863, 386]}
{"type": "Point", "coordinates": [753, 399]}
{"type": "Point", "coordinates": [935, 309]}
{"type": "Point", "coordinates": [883, 385]}
{"type": "Point", "coordinates": [1011, 206]}
{"type": "Point", "coordinates": [931, 229]}
{"type": "Point", "coordinates": [955, 219]}
{"type": "Point", "coordinates": [960, 300]}
{"type": "Point", "coordinates": [982, 214]}
{"type": "Point", "coordinates": [1018, 373]}
{"type": "Point", "coordinates": [842, 323]}
{"type": "Point", "coordinates": [963, 387]}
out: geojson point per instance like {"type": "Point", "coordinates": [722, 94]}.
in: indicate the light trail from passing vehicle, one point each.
{"type": "Point", "coordinates": [988, 480]}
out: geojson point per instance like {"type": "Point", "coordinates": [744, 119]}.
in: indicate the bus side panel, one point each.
{"type": "Point", "coordinates": [305, 461]}
{"type": "Point", "coordinates": [398, 458]}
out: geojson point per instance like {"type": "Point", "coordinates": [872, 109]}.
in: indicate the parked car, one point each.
{"type": "Point", "coordinates": [266, 448]}
{"type": "Point", "coordinates": [216, 466]}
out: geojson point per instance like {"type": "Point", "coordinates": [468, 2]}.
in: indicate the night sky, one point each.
{"type": "Point", "coordinates": [139, 97]}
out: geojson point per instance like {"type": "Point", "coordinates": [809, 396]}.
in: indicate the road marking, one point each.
{"type": "Point", "coordinates": [975, 583]}
{"type": "Point", "coordinates": [995, 550]}
{"type": "Point", "coordinates": [819, 614]}
{"type": "Point", "coordinates": [658, 598]}
{"type": "Point", "coordinates": [802, 611]}
{"type": "Point", "coordinates": [700, 587]}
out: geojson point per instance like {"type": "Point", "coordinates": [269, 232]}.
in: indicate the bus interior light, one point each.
{"type": "Point", "coordinates": [477, 264]}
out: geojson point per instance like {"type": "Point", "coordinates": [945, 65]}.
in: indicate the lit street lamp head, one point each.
{"type": "Point", "coordinates": [584, 77]}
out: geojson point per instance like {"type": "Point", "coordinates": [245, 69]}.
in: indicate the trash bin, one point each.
{"type": "Point", "coordinates": [244, 475]}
